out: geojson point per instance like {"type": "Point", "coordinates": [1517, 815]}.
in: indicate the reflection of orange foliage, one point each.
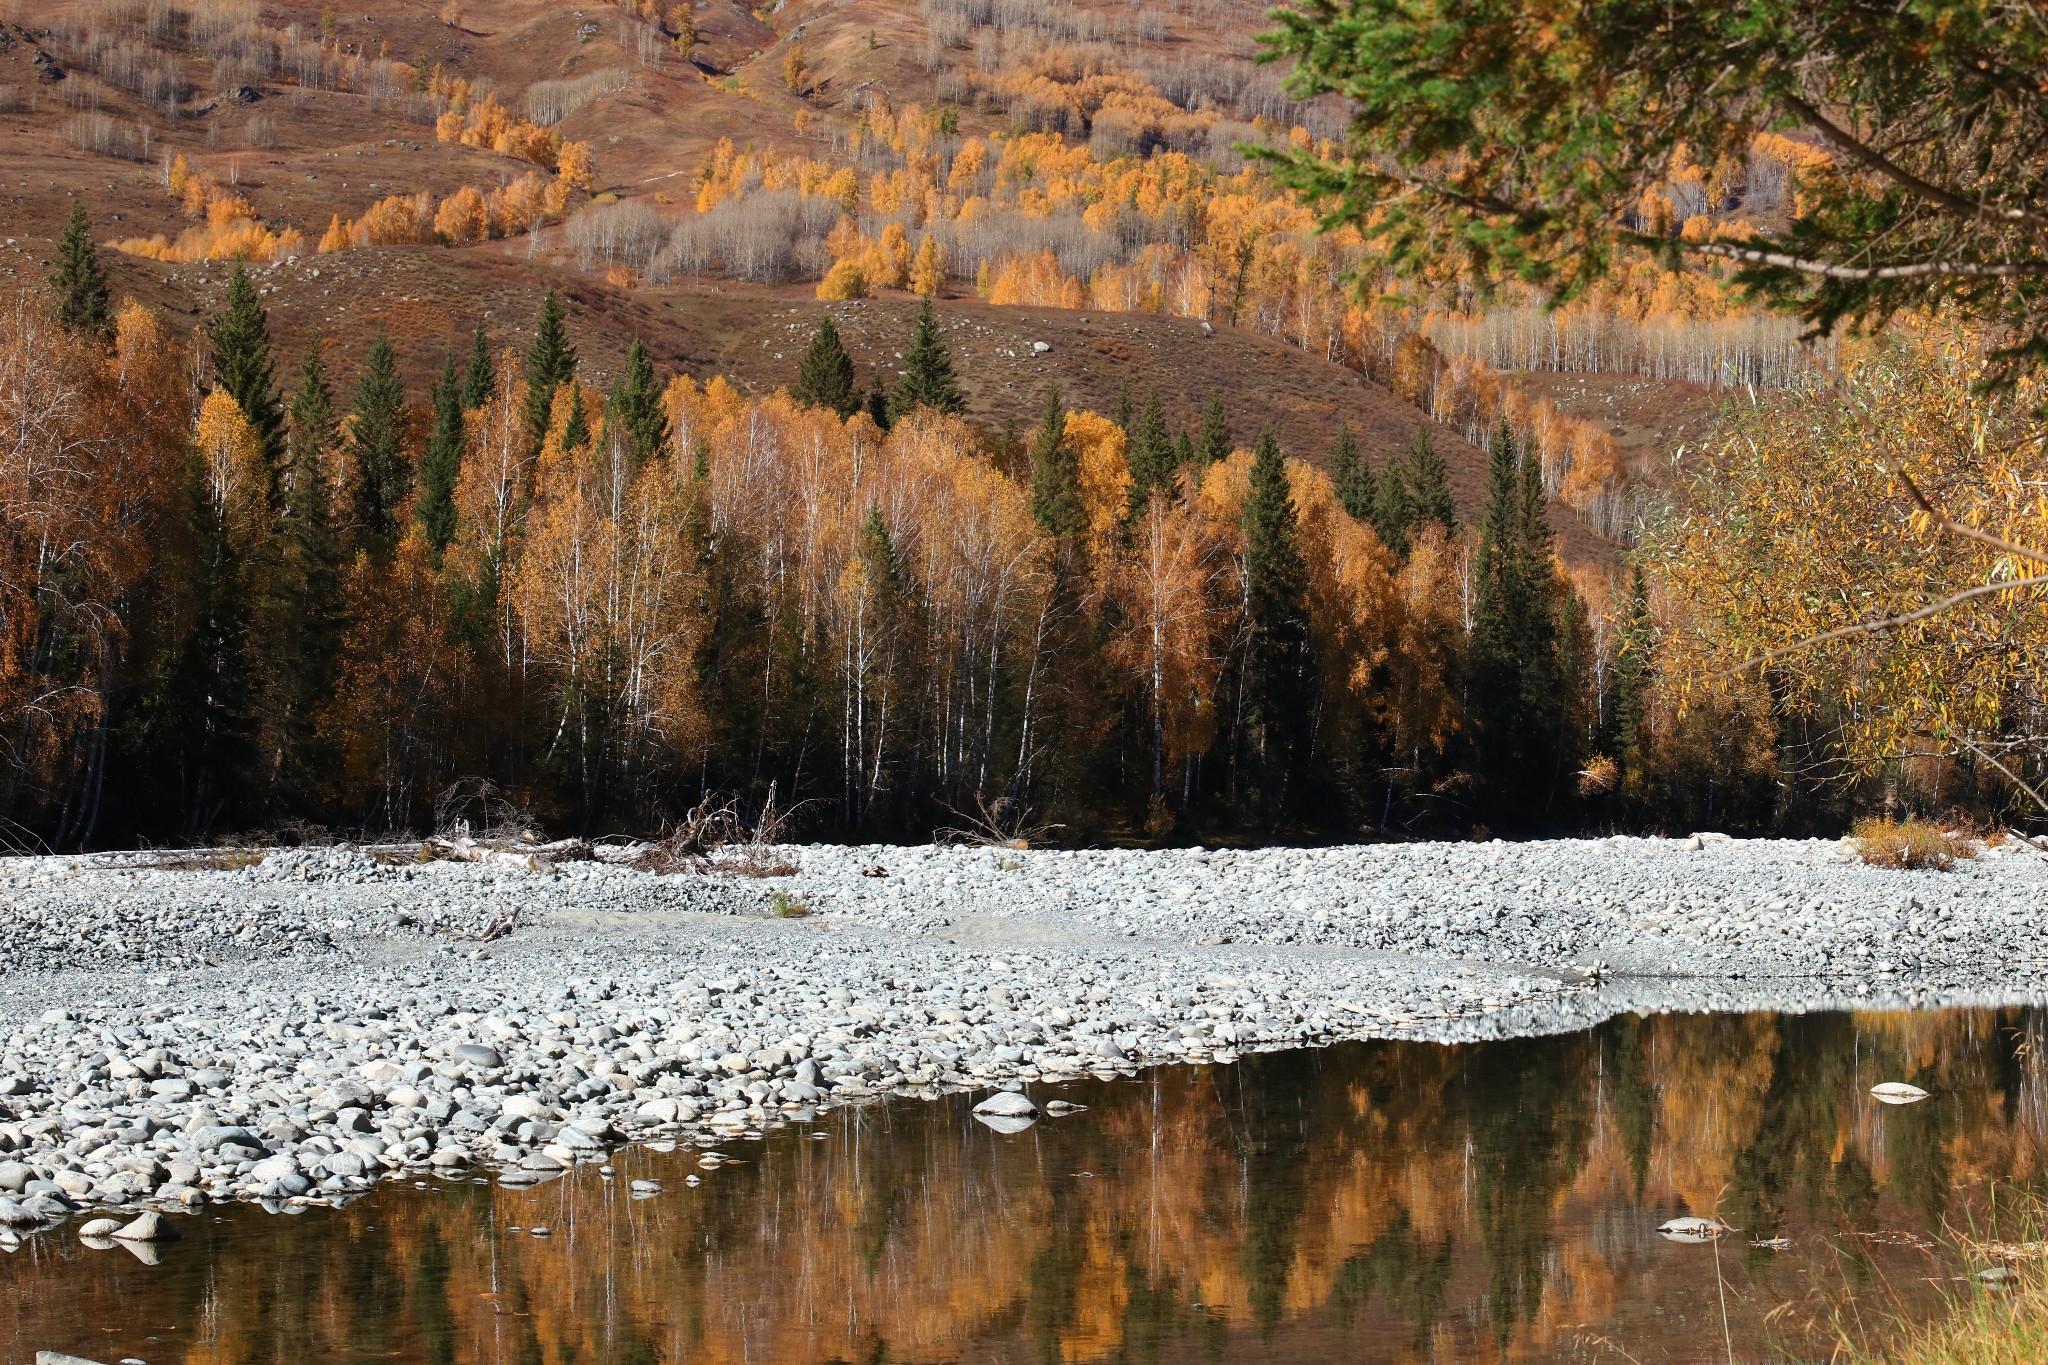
{"type": "Point", "coordinates": [1443, 1203]}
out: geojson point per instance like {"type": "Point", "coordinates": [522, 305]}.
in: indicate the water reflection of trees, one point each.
{"type": "Point", "coordinates": [1376, 1201]}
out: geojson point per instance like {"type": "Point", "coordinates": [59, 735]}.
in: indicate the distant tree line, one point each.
{"type": "Point", "coordinates": [257, 599]}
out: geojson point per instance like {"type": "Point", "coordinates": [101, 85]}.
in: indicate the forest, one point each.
{"type": "Point", "coordinates": [245, 600]}
{"type": "Point", "coordinates": [246, 591]}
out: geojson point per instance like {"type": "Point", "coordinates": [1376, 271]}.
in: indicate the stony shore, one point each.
{"type": "Point", "coordinates": [179, 1029]}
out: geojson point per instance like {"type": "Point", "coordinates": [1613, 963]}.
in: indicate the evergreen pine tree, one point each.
{"type": "Point", "coordinates": [1518, 691]}
{"type": "Point", "coordinates": [1213, 442]}
{"type": "Point", "coordinates": [480, 382]}
{"type": "Point", "coordinates": [202, 731]}
{"type": "Point", "coordinates": [311, 433]}
{"type": "Point", "coordinates": [1536, 536]}
{"type": "Point", "coordinates": [1352, 475]}
{"type": "Point", "coordinates": [878, 407]}
{"type": "Point", "coordinates": [550, 363]}
{"type": "Point", "coordinates": [1631, 672]}
{"type": "Point", "coordinates": [1276, 671]}
{"type": "Point", "coordinates": [636, 407]}
{"type": "Point", "coordinates": [1055, 474]}
{"type": "Point", "coordinates": [83, 303]}
{"type": "Point", "coordinates": [312, 571]}
{"type": "Point", "coordinates": [878, 551]}
{"type": "Point", "coordinates": [1393, 503]}
{"type": "Point", "coordinates": [1428, 485]}
{"type": "Point", "coordinates": [377, 443]}
{"type": "Point", "coordinates": [576, 430]}
{"type": "Point", "coordinates": [1126, 407]}
{"type": "Point", "coordinates": [240, 338]}
{"type": "Point", "coordinates": [441, 464]}
{"type": "Point", "coordinates": [928, 380]}
{"type": "Point", "coordinates": [1184, 451]}
{"type": "Point", "coordinates": [1151, 456]}
{"type": "Point", "coordinates": [824, 378]}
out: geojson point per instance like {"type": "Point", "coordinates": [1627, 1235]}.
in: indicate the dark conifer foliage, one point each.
{"type": "Point", "coordinates": [480, 381]}
{"type": "Point", "coordinates": [1629, 678]}
{"type": "Point", "coordinates": [1427, 485]}
{"type": "Point", "coordinates": [379, 479]}
{"type": "Point", "coordinates": [1151, 456]}
{"type": "Point", "coordinates": [84, 304]}
{"type": "Point", "coordinates": [636, 407]}
{"type": "Point", "coordinates": [310, 590]}
{"type": "Point", "coordinates": [878, 407]}
{"type": "Point", "coordinates": [550, 363]}
{"type": "Point", "coordinates": [1055, 474]}
{"type": "Point", "coordinates": [1519, 681]}
{"type": "Point", "coordinates": [576, 430]}
{"type": "Point", "coordinates": [240, 338]}
{"type": "Point", "coordinates": [1352, 475]}
{"type": "Point", "coordinates": [1214, 441]}
{"type": "Point", "coordinates": [1277, 687]}
{"type": "Point", "coordinates": [201, 730]}
{"type": "Point", "coordinates": [928, 380]}
{"type": "Point", "coordinates": [441, 464]}
{"type": "Point", "coordinates": [824, 378]}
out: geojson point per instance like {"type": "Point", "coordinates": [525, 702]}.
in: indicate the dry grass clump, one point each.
{"type": "Point", "coordinates": [1909, 844]}
{"type": "Point", "coordinates": [2001, 1323]}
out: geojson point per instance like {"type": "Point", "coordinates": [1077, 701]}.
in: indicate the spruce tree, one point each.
{"type": "Point", "coordinates": [205, 707]}
{"type": "Point", "coordinates": [878, 551]}
{"type": "Point", "coordinates": [1151, 458]}
{"type": "Point", "coordinates": [312, 567]}
{"type": "Point", "coordinates": [311, 433]}
{"type": "Point", "coordinates": [377, 443]}
{"type": "Point", "coordinates": [1214, 441]}
{"type": "Point", "coordinates": [576, 430]}
{"type": "Point", "coordinates": [1055, 474]}
{"type": "Point", "coordinates": [441, 464]}
{"type": "Point", "coordinates": [878, 407]}
{"type": "Point", "coordinates": [824, 378]}
{"type": "Point", "coordinates": [636, 407]}
{"type": "Point", "coordinates": [1352, 475]}
{"type": "Point", "coordinates": [84, 305]}
{"type": "Point", "coordinates": [928, 380]}
{"type": "Point", "coordinates": [1184, 451]}
{"type": "Point", "coordinates": [480, 382]}
{"type": "Point", "coordinates": [240, 338]}
{"type": "Point", "coordinates": [1276, 673]}
{"type": "Point", "coordinates": [550, 363]}
{"type": "Point", "coordinates": [1630, 675]}
{"type": "Point", "coordinates": [1428, 485]}
{"type": "Point", "coordinates": [1518, 692]}
{"type": "Point", "coordinates": [1126, 410]}
{"type": "Point", "coordinates": [1393, 504]}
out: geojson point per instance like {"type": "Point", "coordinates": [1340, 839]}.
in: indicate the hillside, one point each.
{"type": "Point", "coordinates": [335, 125]}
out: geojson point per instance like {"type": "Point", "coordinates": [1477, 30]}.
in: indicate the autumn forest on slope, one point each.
{"type": "Point", "coordinates": [918, 417]}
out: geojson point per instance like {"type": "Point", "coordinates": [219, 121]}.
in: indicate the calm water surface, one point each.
{"type": "Point", "coordinates": [1367, 1202]}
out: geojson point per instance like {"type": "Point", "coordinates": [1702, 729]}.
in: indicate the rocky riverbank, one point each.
{"type": "Point", "coordinates": [178, 1029]}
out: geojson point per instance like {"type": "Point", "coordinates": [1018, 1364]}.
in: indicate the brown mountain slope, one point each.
{"type": "Point", "coordinates": [301, 155]}
{"type": "Point", "coordinates": [429, 298]}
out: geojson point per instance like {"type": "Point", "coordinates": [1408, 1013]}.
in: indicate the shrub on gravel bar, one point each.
{"type": "Point", "coordinates": [1909, 844]}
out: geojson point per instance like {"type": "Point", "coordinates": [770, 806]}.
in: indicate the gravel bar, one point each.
{"type": "Point", "coordinates": [290, 1027]}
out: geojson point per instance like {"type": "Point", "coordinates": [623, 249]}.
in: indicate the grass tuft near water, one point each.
{"type": "Point", "coordinates": [2004, 1325]}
